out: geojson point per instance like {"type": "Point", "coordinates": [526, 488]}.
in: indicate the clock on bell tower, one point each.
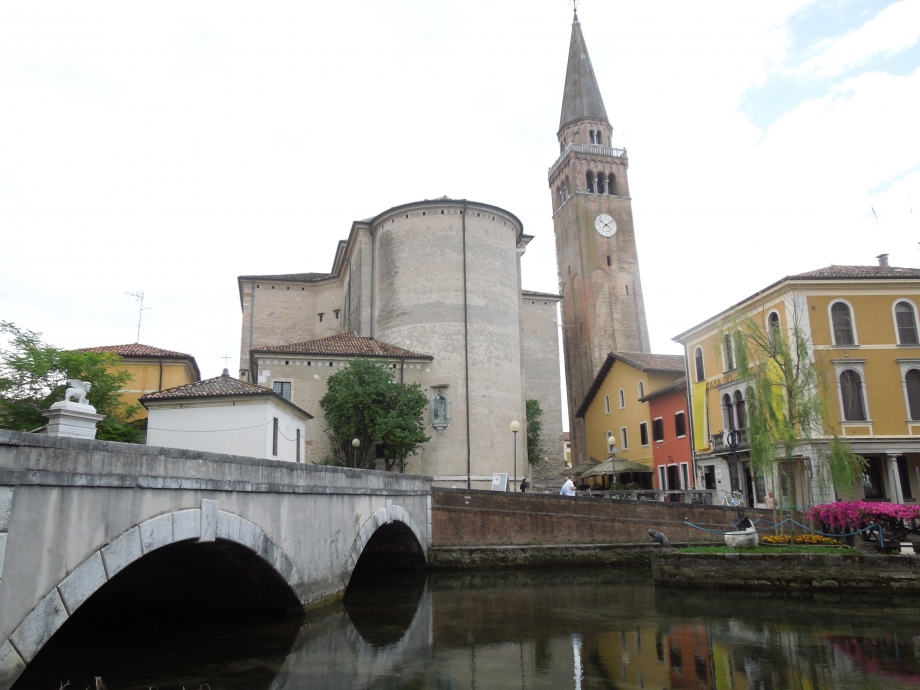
{"type": "Point", "coordinates": [602, 305]}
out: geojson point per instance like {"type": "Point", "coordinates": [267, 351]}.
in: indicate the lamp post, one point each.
{"type": "Point", "coordinates": [611, 442]}
{"type": "Point", "coordinates": [355, 443]}
{"type": "Point", "coordinates": [515, 428]}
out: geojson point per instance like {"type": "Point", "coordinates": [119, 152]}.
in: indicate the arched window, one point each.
{"type": "Point", "coordinates": [601, 183]}
{"type": "Point", "coordinates": [728, 417]}
{"type": "Point", "coordinates": [728, 354]}
{"type": "Point", "coordinates": [641, 389]}
{"type": "Point", "coordinates": [907, 323]}
{"type": "Point", "coordinates": [600, 138]}
{"type": "Point", "coordinates": [912, 379]}
{"type": "Point", "coordinates": [700, 373]}
{"type": "Point", "coordinates": [851, 391]}
{"type": "Point", "coordinates": [773, 325]}
{"type": "Point", "coordinates": [591, 134]}
{"type": "Point", "coordinates": [740, 411]}
{"type": "Point", "coordinates": [843, 324]}
{"type": "Point", "coordinates": [606, 404]}
{"type": "Point", "coordinates": [591, 182]}
{"type": "Point", "coordinates": [566, 188]}
{"type": "Point", "coordinates": [622, 399]}
{"type": "Point", "coordinates": [611, 184]}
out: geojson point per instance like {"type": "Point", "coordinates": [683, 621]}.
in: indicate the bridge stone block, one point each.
{"type": "Point", "coordinates": [228, 526]}
{"type": "Point", "coordinates": [156, 533]}
{"type": "Point", "coordinates": [187, 524]}
{"type": "Point", "coordinates": [83, 582]}
{"type": "Point", "coordinates": [250, 535]}
{"type": "Point", "coordinates": [122, 552]}
{"type": "Point", "coordinates": [208, 520]}
{"type": "Point", "coordinates": [11, 665]}
{"type": "Point", "coordinates": [6, 504]}
{"type": "Point", "coordinates": [39, 626]}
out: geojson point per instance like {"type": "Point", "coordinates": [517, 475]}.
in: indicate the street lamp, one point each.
{"type": "Point", "coordinates": [355, 443]}
{"type": "Point", "coordinates": [611, 442]}
{"type": "Point", "coordinates": [515, 428]}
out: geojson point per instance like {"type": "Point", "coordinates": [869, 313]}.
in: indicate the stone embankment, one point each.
{"type": "Point", "coordinates": [789, 571]}
{"type": "Point", "coordinates": [486, 529]}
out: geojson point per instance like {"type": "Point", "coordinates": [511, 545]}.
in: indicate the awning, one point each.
{"type": "Point", "coordinates": [616, 466]}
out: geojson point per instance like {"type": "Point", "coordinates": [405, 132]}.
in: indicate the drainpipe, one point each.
{"type": "Point", "coordinates": [348, 317]}
{"type": "Point", "coordinates": [466, 351]}
{"type": "Point", "coordinates": [402, 367]}
{"type": "Point", "coordinates": [160, 386]}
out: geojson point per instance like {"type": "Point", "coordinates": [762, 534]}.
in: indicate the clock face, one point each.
{"type": "Point", "coordinates": [605, 225]}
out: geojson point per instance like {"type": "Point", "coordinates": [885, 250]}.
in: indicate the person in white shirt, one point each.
{"type": "Point", "coordinates": [568, 489]}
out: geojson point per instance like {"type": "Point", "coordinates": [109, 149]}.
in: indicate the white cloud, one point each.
{"type": "Point", "coordinates": [893, 29]}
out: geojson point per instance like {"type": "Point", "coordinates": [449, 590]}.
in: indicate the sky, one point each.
{"type": "Point", "coordinates": [168, 147]}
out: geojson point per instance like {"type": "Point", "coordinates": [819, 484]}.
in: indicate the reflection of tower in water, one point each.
{"type": "Point", "coordinates": [576, 654]}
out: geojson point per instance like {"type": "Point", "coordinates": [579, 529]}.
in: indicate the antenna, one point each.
{"type": "Point", "coordinates": [140, 298]}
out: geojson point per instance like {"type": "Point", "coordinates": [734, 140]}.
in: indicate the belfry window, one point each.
{"type": "Point", "coordinates": [591, 134]}
{"type": "Point", "coordinates": [600, 140]}
{"type": "Point", "coordinates": [592, 183]}
{"type": "Point", "coordinates": [611, 184]}
{"type": "Point", "coordinates": [601, 183]}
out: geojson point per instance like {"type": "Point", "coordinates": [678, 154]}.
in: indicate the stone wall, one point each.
{"type": "Point", "coordinates": [485, 518]}
{"type": "Point", "coordinates": [540, 359]}
{"type": "Point", "coordinates": [789, 571]}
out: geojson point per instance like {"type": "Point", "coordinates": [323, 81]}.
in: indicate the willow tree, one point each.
{"type": "Point", "coordinates": [787, 403]}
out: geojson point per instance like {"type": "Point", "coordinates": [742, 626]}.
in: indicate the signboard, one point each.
{"type": "Point", "coordinates": [719, 474]}
{"type": "Point", "coordinates": [500, 481]}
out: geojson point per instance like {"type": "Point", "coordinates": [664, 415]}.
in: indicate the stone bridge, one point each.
{"type": "Point", "coordinates": [80, 516]}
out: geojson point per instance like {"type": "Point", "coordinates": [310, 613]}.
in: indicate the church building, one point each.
{"type": "Point", "coordinates": [431, 289]}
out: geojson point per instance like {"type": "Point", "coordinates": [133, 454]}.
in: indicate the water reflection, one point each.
{"type": "Point", "coordinates": [573, 629]}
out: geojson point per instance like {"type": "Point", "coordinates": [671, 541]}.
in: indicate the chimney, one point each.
{"type": "Point", "coordinates": [882, 259]}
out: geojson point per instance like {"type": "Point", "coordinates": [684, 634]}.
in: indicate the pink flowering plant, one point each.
{"type": "Point", "coordinates": [853, 515]}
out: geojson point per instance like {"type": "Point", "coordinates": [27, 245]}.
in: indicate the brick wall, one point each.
{"type": "Point", "coordinates": [486, 518]}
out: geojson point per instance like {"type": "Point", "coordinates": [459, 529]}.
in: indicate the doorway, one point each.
{"type": "Point", "coordinates": [748, 486]}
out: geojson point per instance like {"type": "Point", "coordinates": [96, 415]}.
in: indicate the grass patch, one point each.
{"type": "Point", "coordinates": [770, 549]}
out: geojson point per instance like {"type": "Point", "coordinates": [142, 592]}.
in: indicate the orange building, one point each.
{"type": "Point", "coordinates": [671, 452]}
{"type": "Point", "coordinates": [153, 369]}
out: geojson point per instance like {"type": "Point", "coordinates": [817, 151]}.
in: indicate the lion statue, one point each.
{"type": "Point", "coordinates": [78, 389]}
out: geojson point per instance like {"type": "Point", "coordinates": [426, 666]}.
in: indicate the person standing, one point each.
{"type": "Point", "coordinates": [524, 485]}
{"type": "Point", "coordinates": [568, 489]}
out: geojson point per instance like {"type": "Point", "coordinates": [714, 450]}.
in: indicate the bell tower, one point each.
{"type": "Point", "coordinates": [602, 305]}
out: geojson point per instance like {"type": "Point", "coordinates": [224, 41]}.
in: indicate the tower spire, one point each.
{"type": "Point", "coordinates": [581, 98]}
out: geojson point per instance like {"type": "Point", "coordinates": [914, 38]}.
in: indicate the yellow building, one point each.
{"type": "Point", "coordinates": [861, 325]}
{"type": "Point", "coordinates": [611, 406]}
{"type": "Point", "coordinates": [152, 368]}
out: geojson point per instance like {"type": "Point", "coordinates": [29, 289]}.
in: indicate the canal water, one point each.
{"type": "Point", "coordinates": [576, 629]}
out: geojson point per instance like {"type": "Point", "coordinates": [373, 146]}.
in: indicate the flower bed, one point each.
{"type": "Point", "coordinates": [853, 515]}
{"type": "Point", "coordinates": [805, 539]}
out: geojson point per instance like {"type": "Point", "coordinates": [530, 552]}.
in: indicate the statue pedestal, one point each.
{"type": "Point", "coordinates": [72, 419]}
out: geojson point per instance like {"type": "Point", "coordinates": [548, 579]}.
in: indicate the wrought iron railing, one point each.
{"type": "Point", "coordinates": [596, 149]}
{"type": "Point", "coordinates": [719, 444]}
{"type": "Point", "coordinates": [697, 496]}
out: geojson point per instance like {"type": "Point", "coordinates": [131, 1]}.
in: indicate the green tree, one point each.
{"type": "Point", "coordinates": [364, 402]}
{"type": "Point", "coordinates": [787, 409]}
{"type": "Point", "coordinates": [535, 446]}
{"type": "Point", "coordinates": [34, 374]}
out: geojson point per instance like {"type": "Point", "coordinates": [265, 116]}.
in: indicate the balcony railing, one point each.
{"type": "Point", "coordinates": [596, 149]}
{"type": "Point", "coordinates": [719, 444]}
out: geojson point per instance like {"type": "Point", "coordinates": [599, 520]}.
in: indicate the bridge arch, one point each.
{"type": "Point", "coordinates": [205, 524]}
{"type": "Point", "coordinates": [394, 516]}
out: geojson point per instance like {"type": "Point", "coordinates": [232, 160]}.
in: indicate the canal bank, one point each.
{"type": "Point", "coordinates": [851, 572]}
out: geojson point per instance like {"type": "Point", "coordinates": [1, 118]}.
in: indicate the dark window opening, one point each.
{"type": "Point", "coordinates": [282, 388]}
{"type": "Point", "coordinates": [608, 260]}
{"type": "Point", "coordinates": [740, 410]}
{"type": "Point", "coordinates": [589, 177]}
{"type": "Point", "coordinates": [658, 429]}
{"type": "Point", "coordinates": [612, 184]}
{"type": "Point", "coordinates": [680, 424]}
{"type": "Point", "coordinates": [298, 445]}
{"type": "Point", "coordinates": [601, 183]}
{"type": "Point", "coordinates": [873, 484]}
{"type": "Point", "coordinates": [904, 478]}
{"type": "Point", "coordinates": [321, 316]}
{"type": "Point", "coordinates": [728, 416]}
{"type": "Point", "coordinates": [907, 324]}
{"type": "Point", "coordinates": [912, 381]}
{"type": "Point", "coordinates": [843, 324]}
{"type": "Point", "coordinates": [275, 436]}
{"type": "Point", "coordinates": [709, 477]}
{"type": "Point", "coordinates": [851, 391]}
{"type": "Point", "coordinates": [643, 434]}
{"type": "Point", "coordinates": [729, 354]}
{"type": "Point", "coordinates": [698, 357]}
{"type": "Point", "coordinates": [336, 312]}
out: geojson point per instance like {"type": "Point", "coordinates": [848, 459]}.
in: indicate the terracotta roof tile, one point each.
{"type": "Point", "coordinates": [295, 277]}
{"type": "Point", "coordinates": [135, 350]}
{"type": "Point", "coordinates": [843, 272]}
{"type": "Point", "coordinates": [209, 388]}
{"type": "Point", "coordinates": [347, 344]}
